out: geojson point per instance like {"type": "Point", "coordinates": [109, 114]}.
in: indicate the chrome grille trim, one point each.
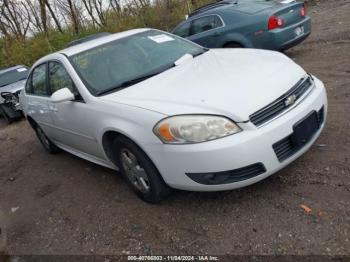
{"type": "Point", "coordinates": [279, 106]}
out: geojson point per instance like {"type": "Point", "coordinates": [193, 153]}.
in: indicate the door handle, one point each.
{"type": "Point", "coordinates": [216, 34]}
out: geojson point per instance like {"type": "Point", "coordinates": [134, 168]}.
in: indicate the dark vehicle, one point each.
{"type": "Point", "coordinates": [12, 81]}
{"type": "Point", "coordinates": [274, 25]}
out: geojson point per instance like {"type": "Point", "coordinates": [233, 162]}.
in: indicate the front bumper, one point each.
{"type": "Point", "coordinates": [253, 145]}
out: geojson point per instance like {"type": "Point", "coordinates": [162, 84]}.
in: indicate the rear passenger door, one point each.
{"type": "Point", "coordinates": [206, 30]}
{"type": "Point", "coordinates": [38, 98]}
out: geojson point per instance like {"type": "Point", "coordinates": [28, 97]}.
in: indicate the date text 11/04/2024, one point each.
{"type": "Point", "coordinates": [173, 258]}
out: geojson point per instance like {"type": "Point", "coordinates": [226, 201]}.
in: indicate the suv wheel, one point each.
{"type": "Point", "coordinates": [139, 171]}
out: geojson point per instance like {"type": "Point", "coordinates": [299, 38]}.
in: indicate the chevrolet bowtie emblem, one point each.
{"type": "Point", "coordinates": [290, 100]}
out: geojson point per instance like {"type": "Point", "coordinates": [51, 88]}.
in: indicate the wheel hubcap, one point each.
{"type": "Point", "coordinates": [134, 171]}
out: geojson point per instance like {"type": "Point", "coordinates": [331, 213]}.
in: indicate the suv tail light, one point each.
{"type": "Point", "coordinates": [275, 22]}
{"type": "Point", "coordinates": [303, 11]}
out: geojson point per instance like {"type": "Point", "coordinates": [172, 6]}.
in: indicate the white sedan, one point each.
{"type": "Point", "coordinates": [169, 113]}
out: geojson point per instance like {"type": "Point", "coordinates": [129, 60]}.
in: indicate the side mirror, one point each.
{"type": "Point", "coordinates": [62, 95]}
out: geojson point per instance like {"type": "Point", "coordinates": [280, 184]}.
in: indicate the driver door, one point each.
{"type": "Point", "coordinates": [73, 126]}
{"type": "Point", "coordinates": [38, 97]}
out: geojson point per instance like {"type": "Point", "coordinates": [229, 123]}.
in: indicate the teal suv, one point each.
{"type": "Point", "coordinates": [274, 25]}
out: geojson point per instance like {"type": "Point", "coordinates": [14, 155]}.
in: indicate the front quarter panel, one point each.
{"type": "Point", "coordinates": [133, 122]}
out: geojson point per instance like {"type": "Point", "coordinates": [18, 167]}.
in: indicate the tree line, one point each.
{"type": "Point", "coordinates": [30, 29]}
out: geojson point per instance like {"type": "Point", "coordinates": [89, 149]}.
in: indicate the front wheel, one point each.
{"type": "Point", "coordinates": [139, 171]}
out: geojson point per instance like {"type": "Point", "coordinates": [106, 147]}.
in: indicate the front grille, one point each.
{"type": "Point", "coordinates": [226, 177]}
{"type": "Point", "coordinates": [286, 148]}
{"type": "Point", "coordinates": [279, 105]}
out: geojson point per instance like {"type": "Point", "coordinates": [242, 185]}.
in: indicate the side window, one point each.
{"type": "Point", "coordinates": [205, 23]}
{"type": "Point", "coordinates": [217, 21]}
{"type": "Point", "coordinates": [39, 81]}
{"type": "Point", "coordinates": [59, 78]}
{"type": "Point", "coordinates": [183, 30]}
{"type": "Point", "coordinates": [28, 86]}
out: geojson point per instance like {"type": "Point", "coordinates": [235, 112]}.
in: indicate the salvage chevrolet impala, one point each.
{"type": "Point", "coordinates": [169, 113]}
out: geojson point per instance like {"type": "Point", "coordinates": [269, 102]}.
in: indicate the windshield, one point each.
{"type": "Point", "coordinates": [12, 76]}
{"type": "Point", "coordinates": [129, 60]}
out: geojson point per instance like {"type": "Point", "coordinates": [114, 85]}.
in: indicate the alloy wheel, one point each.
{"type": "Point", "coordinates": [134, 171]}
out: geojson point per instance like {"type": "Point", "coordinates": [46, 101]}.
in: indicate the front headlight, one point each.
{"type": "Point", "coordinates": [185, 129]}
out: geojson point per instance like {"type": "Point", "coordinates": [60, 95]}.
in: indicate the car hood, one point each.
{"type": "Point", "coordinates": [230, 82]}
{"type": "Point", "coordinates": [14, 87]}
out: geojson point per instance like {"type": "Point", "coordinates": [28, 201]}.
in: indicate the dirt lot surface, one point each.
{"type": "Point", "coordinates": [60, 204]}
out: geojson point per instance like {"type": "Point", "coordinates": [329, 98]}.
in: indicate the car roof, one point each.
{"type": "Point", "coordinates": [216, 8]}
{"type": "Point", "coordinates": [72, 50]}
{"type": "Point", "coordinates": [213, 6]}
{"type": "Point", "coordinates": [87, 38]}
{"type": "Point", "coordinates": [75, 49]}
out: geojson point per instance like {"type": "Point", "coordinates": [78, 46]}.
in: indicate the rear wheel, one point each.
{"type": "Point", "coordinates": [49, 146]}
{"type": "Point", "coordinates": [233, 45]}
{"type": "Point", "coordinates": [139, 171]}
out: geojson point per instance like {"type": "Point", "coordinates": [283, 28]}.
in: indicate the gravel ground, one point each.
{"type": "Point", "coordinates": [60, 204]}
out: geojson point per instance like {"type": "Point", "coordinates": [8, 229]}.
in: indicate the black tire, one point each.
{"type": "Point", "coordinates": [48, 145]}
{"type": "Point", "coordinates": [233, 45]}
{"type": "Point", "coordinates": [158, 189]}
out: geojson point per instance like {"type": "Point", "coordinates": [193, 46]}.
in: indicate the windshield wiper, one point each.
{"type": "Point", "coordinates": [132, 81]}
{"type": "Point", "coordinates": [144, 77]}
{"type": "Point", "coordinates": [5, 84]}
{"type": "Point", "coordinates": [201, 52]}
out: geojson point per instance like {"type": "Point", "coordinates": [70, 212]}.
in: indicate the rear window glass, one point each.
{"type": "Point", "coordinates": [13, 76]}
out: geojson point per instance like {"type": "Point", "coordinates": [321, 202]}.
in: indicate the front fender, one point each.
{"type": "Point", "coordinates": [138, 127]}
